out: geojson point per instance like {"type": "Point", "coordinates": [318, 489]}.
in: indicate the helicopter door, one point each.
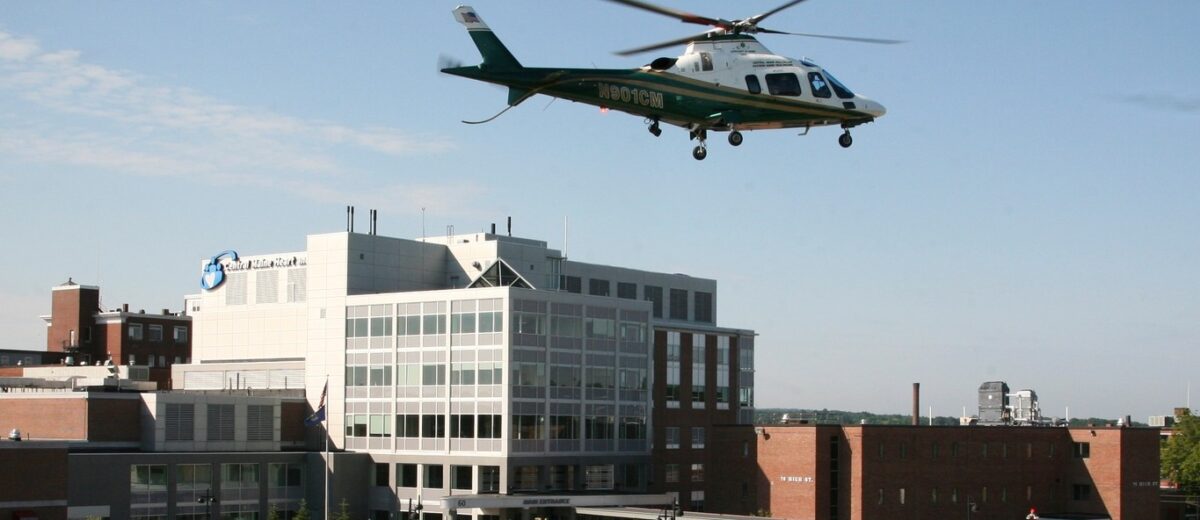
{"type": "Point", "coordinates": [820, 87]}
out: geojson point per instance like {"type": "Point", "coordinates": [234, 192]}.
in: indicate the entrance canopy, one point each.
{"type": "Point", "coordinates": [528, 501]}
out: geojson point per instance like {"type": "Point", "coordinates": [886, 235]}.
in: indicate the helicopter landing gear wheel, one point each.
{"type": "Point", "coordinates": [654, 129]}
{"type": "Point", "coordinates": [845, 140]}
{"type": "Point", "coordinates": [699, 153]}
{"type": "Point", "coordinates": [735, 138]}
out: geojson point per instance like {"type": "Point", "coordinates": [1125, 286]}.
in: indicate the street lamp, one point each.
{"type": "Point", "coordinates": [207, 499]}
{"type": "Point", "coordinates": [672, 512]}
{"type": "Point", "coordinates": [414, 510]}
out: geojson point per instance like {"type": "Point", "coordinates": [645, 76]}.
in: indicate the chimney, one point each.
{"type": "Point", "coordinates": [916, 404]}
{"type": "Point", "coordinates": [124, 307]}
{"type": "Point", "coordinates": [493, 228]}
{"type": "Point", "coordinates": [510, 226]}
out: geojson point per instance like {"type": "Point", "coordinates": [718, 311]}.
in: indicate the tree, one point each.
{"type": "Point", "coordinates": [302, 513]}
{"type": "Point", "coordinates": [273, 514]}
{"type": "Point", "coordinates": [1181, 454]}
{"type": "Point", "coordinates": [343, 511]}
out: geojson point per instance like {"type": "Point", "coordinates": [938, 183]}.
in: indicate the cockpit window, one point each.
{"type": "Point", "coordinates": [706, 61]}
{"type": "Point", "coordinates": [784, 84]}
{"type": "Point", "coordinates": [838, 87]}
{"type": "Point", "coordinates": [752, 84]}
{"type": "Point", "coordinates": [819, 86]}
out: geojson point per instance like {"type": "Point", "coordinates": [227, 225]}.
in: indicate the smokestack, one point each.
{"type": "Point", "coordinates": [916, 404]}
{"type": "Point", "coordinates": [493, 228]}
{"type": "Point", "coordinates": [351, 219]}
{"type": "Point", "coordinates": [510, 226]}
{"type": "Point", "coordinates": [347, 218]}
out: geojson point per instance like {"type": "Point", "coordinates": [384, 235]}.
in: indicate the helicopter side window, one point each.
{"type": "Point", "coordinates": [752, 84]}
{"type": "Point", "coordinates": [706, 61]}
{"type": "Point", "coordinates": [784, 84]}
{"type": "Point", "coordinates": [819, 86]}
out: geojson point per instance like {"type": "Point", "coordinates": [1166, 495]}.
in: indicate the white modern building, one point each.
{"type": "Point", "coordinates": [485, 375]}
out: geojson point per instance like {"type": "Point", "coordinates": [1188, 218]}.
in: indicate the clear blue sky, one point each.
{"type": "Point", "coordinates": [1027, 210]}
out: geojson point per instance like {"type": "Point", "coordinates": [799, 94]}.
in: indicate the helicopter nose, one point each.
{"type": "Point", "coordinates": [874, 108]}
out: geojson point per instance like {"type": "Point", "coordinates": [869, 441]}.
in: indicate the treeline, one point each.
{"type": "Point", "coordinates": [827, 416]}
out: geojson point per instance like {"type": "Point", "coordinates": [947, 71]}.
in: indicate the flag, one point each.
{"type": "Point", "coordinates": [319, 415]}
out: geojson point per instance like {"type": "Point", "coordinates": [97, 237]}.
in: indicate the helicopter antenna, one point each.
{"type": "Point", "coordinates": [490, 119]}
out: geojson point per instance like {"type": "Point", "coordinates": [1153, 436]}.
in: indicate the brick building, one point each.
{"type": "Point", "coordinates": [84, 333]}
{"type": "Point", "coordinates": [898, 472]}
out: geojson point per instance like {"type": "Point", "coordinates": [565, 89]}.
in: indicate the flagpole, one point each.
{"type": "Point", "coordinates": [326, 427]}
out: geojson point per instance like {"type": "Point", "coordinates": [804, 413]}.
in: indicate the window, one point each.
{"type": "Point", "coordinates": [679, 304]}
{"type": "Point", "coordinates": [752, 84]}
{"type": "Point", "coordinates": [838, 87]}
{"type": "Point", "coordinates": [674, 340]}
{"type": "Point", "coordinates": [134, 331]}
{"type": "Point", "coordinates": [571, 284]}
{"type": "Point", "coordinates": [933, 495]}
{"type": "Point", "coordinates": [672, 473]}
{"type": "Point", "coordinates": [381, 475]}
{"type": "Point", "coordinates": [934, 450]}
{"type": "Point", "coordinates": [698, 500]}
{"type": "Point", "coordinates": [627, 290]}
{"type": "Point", "coordinates": [697, 472]}
{"type": "Point", "coordinates": [706, 62]}
{"type": "Point", "coordinates": [654, 295]}
{"type": "Point", "coordinates": [407, 426]}
{"type": "Point", "coordinates": [462, 426]}
{"type": "Point", "coordinates": [698, 437]}
{"type": "Point", "coordinates": [1083, 450]}
{"type": "Point", "coordinates": [489, 479]}
{"type": "Point", "coordinates": [723, 395]}
{"type": "Point", "coordinates": [489, 427]}
{"type": "Point", "coordinates": [702, 301]}
{"type": "Point", "coordinates": [132, 359]}
{"type": "Point", "coordinates": [433, 426]}
{"type": "Point", "coordinates": [902, 497]}
{"type": "Point", "coordinates": [699, 387]}
{"type": "Point", "coordinates": [406, 475]}
{"type": "Point", "coordinates": [193, 477]}
{"type": "Point", "coordinates": [564, 427]}
{"type": "Point", "coordinates": [287, 475]}
{"type": "Point", "coordinates": [633, 428]}
{"type": "Point", "coordinates": [597, 287]}
{"type": "Point", "coordinates": [148, 477]}
{"type": "Point", "coordinates": [599, 476]}
{"type": "Point", "coordinates": [155, 333]}
{"type": "Point", "coordinates": [433, 476]}
{"type": "Point", "coordinates": [460, 477]}
{"type": "Point", "coordinates": [528, 427]}
{"type": "Point", "coordinates": [819, 86]}
{"type": "Point", "coordinates": [784, 84]}
{"type": "Point", "coordinates": [600, 377]}
{"type": "Point", "coordinates": [243, 476]}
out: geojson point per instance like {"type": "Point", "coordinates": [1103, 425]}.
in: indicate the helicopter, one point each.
{"type": "Point", "coordinates": [725, 81]}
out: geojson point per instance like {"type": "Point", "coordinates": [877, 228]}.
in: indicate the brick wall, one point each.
{"type": "Point", "coordinates": [58, 419]}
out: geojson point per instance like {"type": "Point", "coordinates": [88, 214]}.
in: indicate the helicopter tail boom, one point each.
{"type": "Point", "coordinates": [496, 56]}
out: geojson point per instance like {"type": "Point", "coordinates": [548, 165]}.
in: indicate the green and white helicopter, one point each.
{"type": "Point", "coordinates": [725, 81]}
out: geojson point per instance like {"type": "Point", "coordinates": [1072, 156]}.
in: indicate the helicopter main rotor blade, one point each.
{"type": "Point", "coordinates": [832, 37]}
{"type": "Point", "coordinates": [656, 46]}
{"type": "Point", "coordinates": [759, 17]}
{"type": "Point", "coordinates": [682, 16]}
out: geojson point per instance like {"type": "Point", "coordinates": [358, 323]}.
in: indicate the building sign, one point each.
{"type": "Point", "coordinates": [798, 480]}
{"type": "Point", "coordinates": [214, 269]}
{"type": "Point", "coordinates": [546, 502]}
{"type": "Point", "coordinates": [213, 273]}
